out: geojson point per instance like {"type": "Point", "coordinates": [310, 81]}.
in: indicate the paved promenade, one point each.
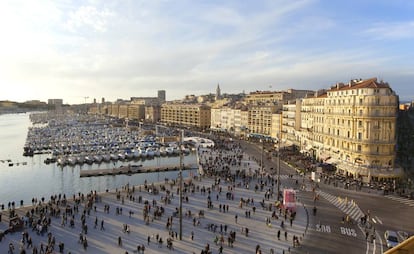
{"type": "Point", "coordinates": [221, 214]}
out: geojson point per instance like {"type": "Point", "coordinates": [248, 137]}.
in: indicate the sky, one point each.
{"type": "Point", "coordinates": [80, 50]}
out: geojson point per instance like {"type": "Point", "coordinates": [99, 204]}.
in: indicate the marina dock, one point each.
{"type": "Point", "coordinates": [133, 169]}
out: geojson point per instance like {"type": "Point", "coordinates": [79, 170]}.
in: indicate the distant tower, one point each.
{"type": "Point", "coordinates": [94, 100]}
{"type": "Point", "coordinates": [103, 100]}
{"type": "Point", "coordinates": [218, 92]}
{"type": "Point", "coordinates": [161, 95]}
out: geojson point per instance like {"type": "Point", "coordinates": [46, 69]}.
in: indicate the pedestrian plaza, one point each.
{"type": "Point", "coordinates": [229, 213]}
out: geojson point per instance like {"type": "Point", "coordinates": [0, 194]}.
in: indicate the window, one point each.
{"type": "Point", "coordinates": [359, 148]}
{"type": "Point", "coordinates": [359, 135]}
{"type": "Point", "coordinates": [360, 123]}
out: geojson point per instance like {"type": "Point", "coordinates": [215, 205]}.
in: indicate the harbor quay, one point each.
{"type": "Point", "coordinates": [229, 207]}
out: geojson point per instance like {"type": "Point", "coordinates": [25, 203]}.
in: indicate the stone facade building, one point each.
{"type": "Point", "coordinates": [191, 115]}
{"type": "Point", "coordinates": [353, 126]}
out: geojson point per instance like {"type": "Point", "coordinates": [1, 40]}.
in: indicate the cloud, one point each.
{"type": "Point", "coordinates": [89, 16]}
{"type": "Point", "coordinates": [131, 48]}
{"type": "Point", "coordinates": [392, 30]}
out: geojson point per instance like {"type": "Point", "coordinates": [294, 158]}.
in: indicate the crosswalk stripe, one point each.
{"type": "Point", "coordinates": [405, 201]}
{"type": "Point", "coordinates": [349, 208]}
{"type": "Point", "coordinates": [355, 214]}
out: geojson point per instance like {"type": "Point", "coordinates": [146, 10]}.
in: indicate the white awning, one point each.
{"type": "Point", "coordinates": [331, 161]}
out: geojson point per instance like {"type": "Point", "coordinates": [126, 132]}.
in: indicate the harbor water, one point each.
{"type": "Point", "coordinates": [22, 178]}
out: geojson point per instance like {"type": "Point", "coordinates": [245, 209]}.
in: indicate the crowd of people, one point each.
{"type": "Point", "coordinates": [230, 184]}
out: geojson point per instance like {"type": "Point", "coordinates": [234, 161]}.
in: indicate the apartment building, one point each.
{"type": "Point", "coordinates": [123, 111]}
{"type": "Point", "coordinates": [354, 126]}
{"type": "Point", "coordinates": [135, 112]}
{"type": "Point", "coordinates": [312, 123]}
{"type": "Point", "coordinates": [276, 129]}
{"type": "Point", "coordinates": [276, 97]}
{"type": "Point", "coordinates": [229, 119]}
{"type": "Point", "coordinates": [153, 113]}
{"type": "Point", "coordinates": [113, 110]}
{"type": "Point", "coordinates": [262, 97]}
{"type": "Point", "coordinates": [260, 119]}
{"type": "Point", "coordinates": [291, 122]}
{"type": "Point", "coordinates": [192, 115]}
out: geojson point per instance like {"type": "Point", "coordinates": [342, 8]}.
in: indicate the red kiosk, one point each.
{"type": "Point", "coordinates": [289, 199]}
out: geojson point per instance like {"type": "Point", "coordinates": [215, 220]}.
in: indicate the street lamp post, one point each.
{"type": "Point", "coordinates": [278, 167]}
{"type": "Point", "coordinates": [181, 186]}
{"type": "Point", "coordinates": [261, 158]}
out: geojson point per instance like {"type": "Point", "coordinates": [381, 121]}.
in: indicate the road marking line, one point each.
{"type": "Point", "coordinates": [378, 219]}
{"type": "Point", "coordinates": [347, 210]}
{"type": "Point", "coordinates": [375, 247]}
{"type": "Point", "coordinates": [380, 239]}
{"type": "Point", "coordinates": [341, 206]}
{"type": "Point", "coordinates": [374, 220]}
{"type": "Point", "coordinates": [402, 200]}
{"type": "Point", "coordinates": [354, 214]}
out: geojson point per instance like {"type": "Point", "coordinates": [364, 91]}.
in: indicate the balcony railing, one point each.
{"type": "Point", "coordinates": [357, 114]}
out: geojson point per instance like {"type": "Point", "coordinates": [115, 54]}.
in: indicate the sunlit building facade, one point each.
{"type": "Point", "coordinates": [353, 126]}
{"type": "Point", "coordinates": [191, 115]}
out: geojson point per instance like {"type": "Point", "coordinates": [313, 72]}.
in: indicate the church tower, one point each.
{"type": "Point", "coordinates": [218, 92]}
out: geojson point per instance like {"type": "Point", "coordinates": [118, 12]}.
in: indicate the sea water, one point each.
{"type": "Point", "coordinates": [22, 178]}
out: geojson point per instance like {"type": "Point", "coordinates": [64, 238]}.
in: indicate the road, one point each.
{"type": "Point", "coordinates": [326, 232]}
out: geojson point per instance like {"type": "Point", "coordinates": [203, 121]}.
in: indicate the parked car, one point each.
{"type": "Point", "coordinates": [391, 238]}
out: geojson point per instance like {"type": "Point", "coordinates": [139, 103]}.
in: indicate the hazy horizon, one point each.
{"type": "Point", "coordinates": [123, 49]}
